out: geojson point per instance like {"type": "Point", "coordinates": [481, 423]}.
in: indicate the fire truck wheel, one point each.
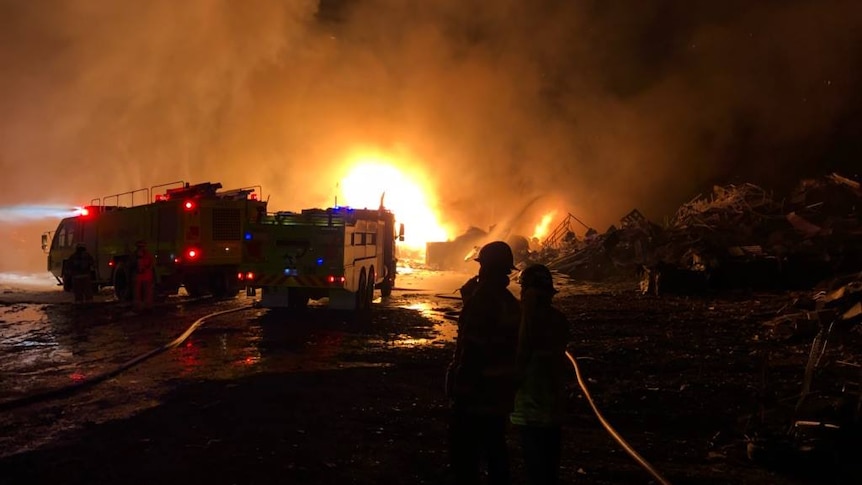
{"type": "Point", "coordinates": [194, 290]}
{"type": "Point", "coordinates": [387, 284]}
{"type": "Point", "coordinates": [361, 297]}
{"type": "Point", "coordinates": [370, 289]}
{"type": "Point", "coordinates": [122, 282]}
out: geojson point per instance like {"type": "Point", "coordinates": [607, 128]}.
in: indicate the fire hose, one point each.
{"type": "Point", "coordinates": [616, 436]}
{"type": "Point", "coordinates": [72, 388]}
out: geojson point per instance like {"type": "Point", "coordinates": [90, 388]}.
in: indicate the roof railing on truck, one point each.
{"type": "Point", "coordinates": [131, 198]}
{"type": "Point", "coordinates": [175, 189]}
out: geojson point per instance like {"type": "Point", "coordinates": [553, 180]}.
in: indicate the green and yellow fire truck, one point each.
{"type": "Point", "coordinates": [338, 253]}
{"type": "Point", "coordinates": [194, 232]}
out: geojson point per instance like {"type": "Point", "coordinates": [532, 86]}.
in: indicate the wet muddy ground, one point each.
{"type": "Point", "coordinates": [323, 397]}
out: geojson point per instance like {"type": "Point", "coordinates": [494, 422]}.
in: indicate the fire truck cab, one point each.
{"type": "Point", "coordinates": [194, 233]}
{"type": "Point", "coordinates": [338, 253]}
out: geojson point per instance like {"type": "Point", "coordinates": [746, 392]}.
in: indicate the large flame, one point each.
{"type": "Point", "coordinates": [406, 194]}
{"type": "Point", "coordinates": [542, 227]}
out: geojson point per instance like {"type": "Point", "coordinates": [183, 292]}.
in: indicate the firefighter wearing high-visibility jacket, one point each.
{"type": "Point", "coordinates": [540, 400]}
{"type": "Point", "coordinates": [144, 277]}
{"type": "Point", "coordinates": [480, 380]}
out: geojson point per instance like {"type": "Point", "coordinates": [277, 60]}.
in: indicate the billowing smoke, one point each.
{"type": "Point", "coordinates": [595, 107]}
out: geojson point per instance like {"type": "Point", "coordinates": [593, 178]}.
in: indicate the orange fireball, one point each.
{"type": "Point", "coordinates": [404, 190]}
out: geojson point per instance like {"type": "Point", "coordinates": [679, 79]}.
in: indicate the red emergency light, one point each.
{"type": "Point", "coordinates": [335, 280]}
{"type": "Point", "coordinates": [189, 205]}
{"type": "Point", "coordinates": [193, 253]}
{"type": "Point", "coordinates": [249, 276]}
{"type": "Point", "coordinates": [252, 196]}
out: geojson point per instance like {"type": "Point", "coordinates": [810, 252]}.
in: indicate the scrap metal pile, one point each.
{"type": "Point", "coordinates": [738, 237]}
{"type": "Point", "coordinates": [826, 420]}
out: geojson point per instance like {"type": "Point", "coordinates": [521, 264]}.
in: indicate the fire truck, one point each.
{"type": "Point", "coordinates": [193, 231]}
{"type": "Point", "coordinates": [338, 253]}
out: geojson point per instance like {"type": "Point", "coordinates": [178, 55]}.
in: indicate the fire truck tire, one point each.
{"type": "Point", "coordinates": [194, 290]}
{"type": "Point", "coordinates": [387, 284]}
{"type": "Point", "coordinates": [122, 282]}
{"type": "Point", "coordinates": [361, 297]}
{"type": "Point", "coordinates": [370, 289]}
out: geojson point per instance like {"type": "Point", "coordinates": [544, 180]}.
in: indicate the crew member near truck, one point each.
{"type": "Point", "coordinates": [81, 267]}
{"type": "Point", "coordinates": [144, 277]}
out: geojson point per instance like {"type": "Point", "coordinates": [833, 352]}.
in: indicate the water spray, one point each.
{"type": "Point", "coordinates": [28, 213]}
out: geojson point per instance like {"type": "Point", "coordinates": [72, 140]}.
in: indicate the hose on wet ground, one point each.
{"type": "Point", "coordinates": [78, 386]}
{"type": "Point", "coordinates": [610, 429]}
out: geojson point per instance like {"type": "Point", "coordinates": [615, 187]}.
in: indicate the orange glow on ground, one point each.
{"type": "Point", "coordinates": [407, 195]}
{"type": "Point", "coordinates": [542, 227]}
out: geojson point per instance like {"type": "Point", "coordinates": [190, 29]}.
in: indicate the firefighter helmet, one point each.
{"type": "Point", "coordinates": [496, 254]}
{"type": "Point", "coordinates": [537, 276]}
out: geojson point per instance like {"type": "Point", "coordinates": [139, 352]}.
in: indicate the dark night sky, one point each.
{"type": "Point", "coordinates": [597, 106]}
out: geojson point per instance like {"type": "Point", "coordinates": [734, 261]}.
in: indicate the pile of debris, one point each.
{"type": "Point", "coordinates": [738, 237]}
{"type": "Point", "coordinates": [597, 257]}
{"type": "Point", "coordinates": [826, 421]}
